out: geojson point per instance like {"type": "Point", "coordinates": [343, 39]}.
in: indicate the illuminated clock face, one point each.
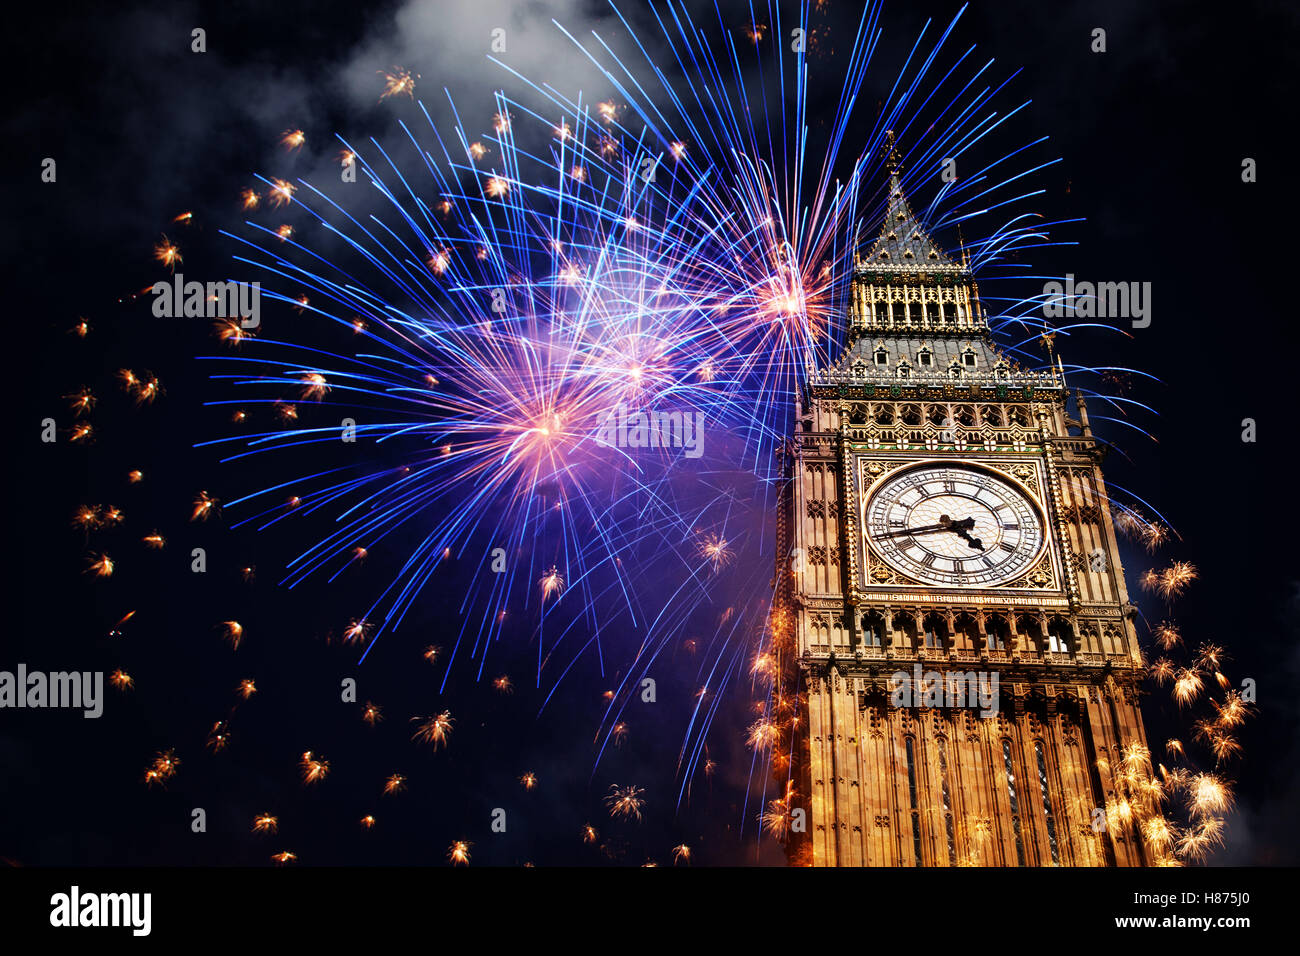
{"type": "Point", "coordinates": [953, 525]}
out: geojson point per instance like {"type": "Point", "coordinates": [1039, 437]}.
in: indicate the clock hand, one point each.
{"type": "Point", "coordinates": [973, 542]}
{"type": "Point", "coordinates": [925, 529]}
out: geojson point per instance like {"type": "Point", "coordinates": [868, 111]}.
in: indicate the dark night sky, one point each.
{"type": "Point", "coordinates": [1152, 135]}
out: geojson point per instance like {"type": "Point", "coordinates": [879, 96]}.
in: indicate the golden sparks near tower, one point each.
{"type": "Point", "coordinates": [964, 664]}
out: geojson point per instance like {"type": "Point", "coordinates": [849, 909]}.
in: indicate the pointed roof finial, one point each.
{"type": "Point", "coordinates": [892, 158]}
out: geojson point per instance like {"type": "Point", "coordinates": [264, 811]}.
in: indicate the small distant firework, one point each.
{"type": "Point", "coordinates": [102, 567]}
{"type": "Point", "coordinates": [246, 688]}
{"type": "Point", "coordinates": [552, 584]}
{"type": "Point", "coordinates": [313, 768]}
{"type": "Point", "coordinates": [681, 854]}
{"type": "Point", "coordinates": [154, 540]}
{"type": "Point", "coordinates": [504, 685]}
{"type": "Point", "coordinates": [204, 506]}
{"type": "Point", "coordinates": [625, 801]}
{"type": "Point", "coordinates": [81, 401]}
{"type": "Point", "coordinates": [250, 199]}
{"type": "Point", "coordinates": [714, 549]}
{"type": "Point", "coordinates": [283, 857]}
{"type": "Point", "coordinates": [162, 769]}
{"type": "Point", "coordinates": [435, 730]}
{"type": "Point", "coordinates": [233, 632]}
{"type": "Point", "coordinates": [266, 823]}
{"type": "Point", "coordinates": [368, 821]}
{"type": "Point", "coordinates": [432, 653]}
{"type": "Point", "coordinates": [372, 713]}
{"type": "Point", "coordinates": [356, 630]}
{"type": "Point", "coordinates": [528, 781]}
{"type": "Point", "coordinates": [121, 680]}
{"type": "Point", "coordinates": [218, 736]}
{"type": "Point", "coordinates": [281, 192]}
{"type": "Point", "coordinates": [396, 783]}
{"type": "Point", "coordinates": [1174, 580]}
{"type": "Point", "coordinates": [135, 476]}
{"type": "Point", "coordinates": [293, 139]}
{"type": "Point", "coordinates": [1167, 635]}
{"type": "Point", "coordinates": [397, 83]}
{"type": "Point", "coordinates": [618, 733]}
{"type": "Point", "coordinates": [116, 630]}
{"type": "Point", "coordinates": [458, 853]}
{"type": "Point", "coordinates": [232, 332]}
{"type": "Point", "coordinates": [168, 253]}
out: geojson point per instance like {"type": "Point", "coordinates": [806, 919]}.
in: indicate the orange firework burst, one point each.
{"type": "Point", "coordinates": [168, 253]}
{"type": "Point", "coordinates": [504, 685]}
{"type": "Point", "coordinates": [121, 680]}
{"type": "Point", "coordinates": [154, 540]}
{"type": "Point", "coordinates": [357, 629]}
{"type": "Point", "coordinates": [458, 852]}
{"type": "Point", "coordinates": [714, 549]}
{"type": "Point", "coordinates": [283, 857]}
{"type": "Point", "coordinates": [372, 713]}
{"type": "Point", "coordinates": [134, 477]}
{"type": "Point", "coordinates": [1162, 671]}
{"type": "Point", "coordinates": [80, 432]}
{"type": "Point", "coordinates": [678, 150]}
{"type": "Point", "coordinates": [396, 783]}
{"type": "Point", "coordinates": [204, 506]}
{"type": "Point", "coordinates": [434, 730]}
{"type": "Point", "coordinates": [1187, 687]}
{"type": "Point", "coordinates": [314, 769]}
{"type": "Point", "coordinates": [501, 122]}
{"type": "Point", "coordinates": [81, 401]}
{"type": "Point", "coordinates": [618, 733]}
{"type": "Point", "coordinates": [1210, 657]}
{"type": "Point", "coordinates": [250, 199]}
{"type": "Point", "coordinates": [266, 823]}
{"type": "Point", "coordinates": [184, 218]}
{"type": "Point", "coordinates": [219, 736]}
{"type": "Point", "coordinates": [497, 187]}
{"type": "Point", "coordinates": [589, 834]}
{"type": "Point", "coordinates": [367, 821]}
{"type": "Point", "coordinates": [1208, 794]}
{"type": "Point", "coordinates": [246, 688]}
{"type": "Point", "coordinates": [1150, 580]}
{"type": "Point", "coordinates": [432, 653]}
{"type": "Point", "coordinates": [284, 232]}
{"type": "Point", "coordinates": [625, 801]}
{"type": "Point", "coordinates": [293, 139]}
{"type": "Point", "coordinates": [1175, 578]}
{"type": "Point", "coordinates": [681, 854]}
{"type": "Point", "coordinates": [528, 781]}
{"type": "Point", "coordinates": [86, 517]}
{"type": "Point", "coordinates": [101, 567]}
{"type": "Point", "coordinates": [477, 150]}
{"type": "Point", "coordinates": [230, 331]}
{"type": "Point", "coordinates": [1167, 635]}
{"type": "Point", "coordinates": [762, 734]}
{"type": "Point", "coordinates": [81, 329]}
{"type": "Point", "coordinates": [397, 83]}
{"type": "Point", "coordinates": [162, 769]}
{"type": "Point", "coordinates": [233, 631]}
{"type": "Point", "coordinates": [552, 584]}
{"type": "Point", "coordinates": [281, 192]}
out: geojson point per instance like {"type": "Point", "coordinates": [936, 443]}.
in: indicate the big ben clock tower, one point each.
{"type": "Point", "coordinates": [956, 612]}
